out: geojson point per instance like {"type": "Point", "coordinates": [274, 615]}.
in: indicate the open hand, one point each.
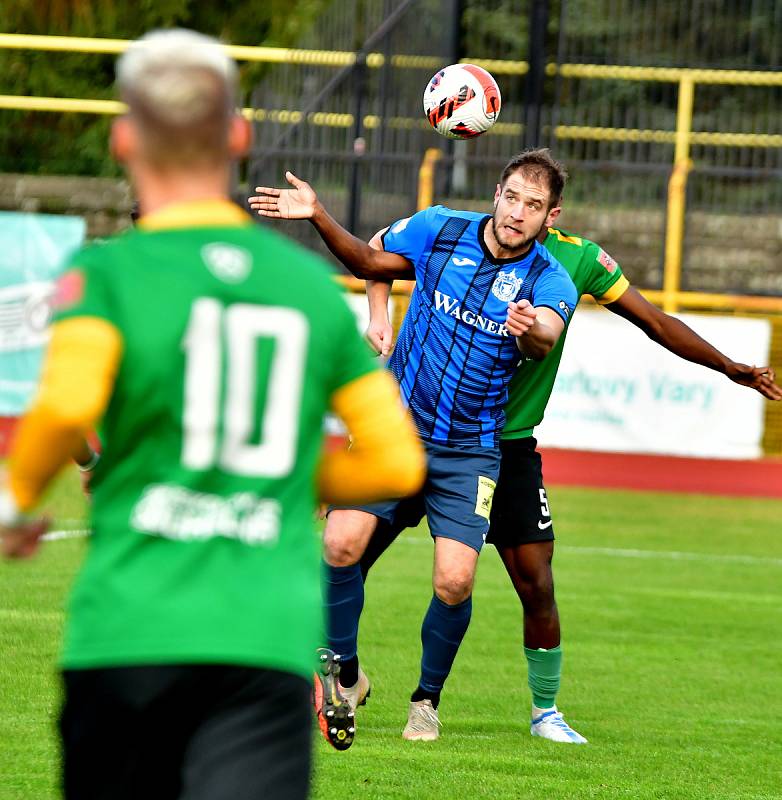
{"type": "Point", "coordinates": [23, 539]}
{"type": "Point", "coordinates": [297, 203]}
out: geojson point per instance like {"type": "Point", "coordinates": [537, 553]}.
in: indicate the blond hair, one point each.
{"type": "Point", "coordinates": [181, 88]}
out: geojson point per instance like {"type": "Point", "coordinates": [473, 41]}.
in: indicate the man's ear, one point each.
{"type": "Point", "coordinates": [123, 141]}
{"type": "Point", "coordinates": [497, 192]}
{"type": "Point", "coordinates": [552, 215]}
{"type": "Point", "coordinates": [240, 137]}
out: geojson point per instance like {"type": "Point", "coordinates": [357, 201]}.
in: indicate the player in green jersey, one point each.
{"type": "Point", "coordinates": [521, 523]}
{"type": "Point", "coordinates": [209, 350]}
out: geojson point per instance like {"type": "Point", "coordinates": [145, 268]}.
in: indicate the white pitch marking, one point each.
{"type": "Point", "coordinates": [27, 614]}
{"type": "Point", "coordinates": [56, 536]}
{"type": "Point", "coordinates": [672, 555]}
{"type": "Point", "coordinates": [616, 552]}
{"type": "Point", "coordinates": [666, 555]}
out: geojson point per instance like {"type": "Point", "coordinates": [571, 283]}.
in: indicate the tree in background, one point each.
{"type": "Point", "coordinates": [51, 143]}
{"type": "Point", "coordinates": [702, 33]}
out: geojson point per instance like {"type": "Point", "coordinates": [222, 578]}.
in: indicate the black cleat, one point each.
{"type": "Point", "coordinates": [335, 716]}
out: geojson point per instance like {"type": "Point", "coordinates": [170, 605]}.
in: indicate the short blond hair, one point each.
{"type": "Point", "coordinates": [181, 90]}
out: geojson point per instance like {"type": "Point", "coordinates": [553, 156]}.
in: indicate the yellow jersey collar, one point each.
{"type": "Point", "coordinates": [195, 214]}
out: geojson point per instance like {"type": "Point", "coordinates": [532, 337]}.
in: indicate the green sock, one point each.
{"type": "Point", "coordinates": [544, 668]}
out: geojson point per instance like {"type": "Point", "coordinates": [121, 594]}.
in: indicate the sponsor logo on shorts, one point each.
{"type": "Point", "coordinates": [543, 525]}
{"type": "Point", "coordinates": [485, 495]}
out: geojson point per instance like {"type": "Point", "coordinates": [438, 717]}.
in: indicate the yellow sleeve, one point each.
{"type": "Point", "coordinates": [386, 459]}
{"type": "Point", "coordinates": [612, 294]}
{"type": "Point", "coordinates": [76, 383]}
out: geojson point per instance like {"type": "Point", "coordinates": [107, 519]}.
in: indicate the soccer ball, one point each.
{"type": "Point", "coordinates": [462, 101]}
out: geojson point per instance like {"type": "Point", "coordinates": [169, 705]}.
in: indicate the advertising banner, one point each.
{"type": "Point", "coordinates": [618, 391]}
{"type": "Point", "coordinates": [360, 308]}
{"type": "Point", "coordinates": [33, 249]}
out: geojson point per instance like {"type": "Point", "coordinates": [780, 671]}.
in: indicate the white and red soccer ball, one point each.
{"type": "Point", "coordinates": [462, 101]}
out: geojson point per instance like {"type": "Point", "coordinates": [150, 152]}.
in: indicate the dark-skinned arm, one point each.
{"type": "Point", "coordinates": [362, 260]}
{"type": "Point", "coordinates": [672, 334]}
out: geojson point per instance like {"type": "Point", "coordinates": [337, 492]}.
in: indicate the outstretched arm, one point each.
{"type": "Point", "coordinates": [677, 337]}
{"type": "Point", "coordinates": [301, 202]}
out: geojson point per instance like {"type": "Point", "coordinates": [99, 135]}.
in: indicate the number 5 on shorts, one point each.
{"type": "Point", "coordinates": [544, 509]}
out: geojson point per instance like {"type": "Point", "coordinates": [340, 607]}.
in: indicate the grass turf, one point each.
{"type": "Point", "coordinates": [671, 609]}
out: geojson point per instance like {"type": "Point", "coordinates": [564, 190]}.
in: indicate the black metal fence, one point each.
{"type": "Point", "coordinates": [363, 142]}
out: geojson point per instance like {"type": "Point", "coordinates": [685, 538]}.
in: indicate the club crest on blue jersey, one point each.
{"type": "Point", "coordinates": [455, 356]}
{"type": "Point", "coordinates": [506, 286]}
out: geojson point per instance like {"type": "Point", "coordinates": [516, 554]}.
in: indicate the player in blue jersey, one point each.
{"type": "Point", "coordinates": [522, 528]}
{"type": "Point", "coordinates": [486, 295]}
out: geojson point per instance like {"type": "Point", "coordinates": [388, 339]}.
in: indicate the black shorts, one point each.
{"type": "Point", "coordinates": [520, 512]}
{"type": "Point", "coordinates": [185, 732]}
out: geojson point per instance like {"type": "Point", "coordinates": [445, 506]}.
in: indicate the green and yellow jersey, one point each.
{"type": "Point", "coordinates": [593, 272]}
{"type": "Point", "coordinates": [228, 343]}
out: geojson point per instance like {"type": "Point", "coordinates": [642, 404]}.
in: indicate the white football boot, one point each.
{"type": "Point", "coordinates": [357, 694]}
{"type": "Point", "coordinates": [423, 722]}
{"type": "Point", "coordinates": [548, 723]}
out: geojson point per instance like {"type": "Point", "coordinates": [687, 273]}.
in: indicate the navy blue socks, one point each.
{"type": "Point", "coordinates": [442, 632]}
{"type": "Point", "coordinates": [344, 603]}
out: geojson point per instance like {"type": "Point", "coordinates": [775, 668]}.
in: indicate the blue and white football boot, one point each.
{"type": "Point", "coordinates": [548, 723]}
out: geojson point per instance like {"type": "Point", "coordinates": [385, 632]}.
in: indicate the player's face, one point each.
{"type": "Point", "coordinates": [521, 210]}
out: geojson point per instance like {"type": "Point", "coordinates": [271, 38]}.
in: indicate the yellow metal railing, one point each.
{"type": "Point", "coordinates": [269, 55]}
{"type": "Point", "coordinates": [677, 188]}
{"type": "Point", "coordinates": [69, 105]}
{"type": "Point", "coordinates": [682, 138]}
{"type": "Point", "coordinates": [666, 74]}
{"type": "Point", "coordinates": [767, 307]}
{"type": "Point", "coordinates": [332, 119]}
{"type": "Point", "coordinates": [672, 298]}
{"type": "Point", "coordinates": [691, 301]}
{"type": "Point", "coordinates": [426, 177]}
{"type": "Point", "coordinates": [708, 301]}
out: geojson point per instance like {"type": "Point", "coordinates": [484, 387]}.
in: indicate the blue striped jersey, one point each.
{"type": "Point", "coordinates": [454, 356]}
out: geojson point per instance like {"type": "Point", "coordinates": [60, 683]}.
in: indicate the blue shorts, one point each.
{"type": "Point", "coordinates": [456, 497]}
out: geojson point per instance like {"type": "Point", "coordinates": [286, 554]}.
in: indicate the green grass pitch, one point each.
{"type": "Point", "coordinates": [672, 618]}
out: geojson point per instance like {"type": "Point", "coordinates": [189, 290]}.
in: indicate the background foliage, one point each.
{"type": "Point", "coordinates": [729, 34]}
{"type": "Point", "coordinates": [34, 142]}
